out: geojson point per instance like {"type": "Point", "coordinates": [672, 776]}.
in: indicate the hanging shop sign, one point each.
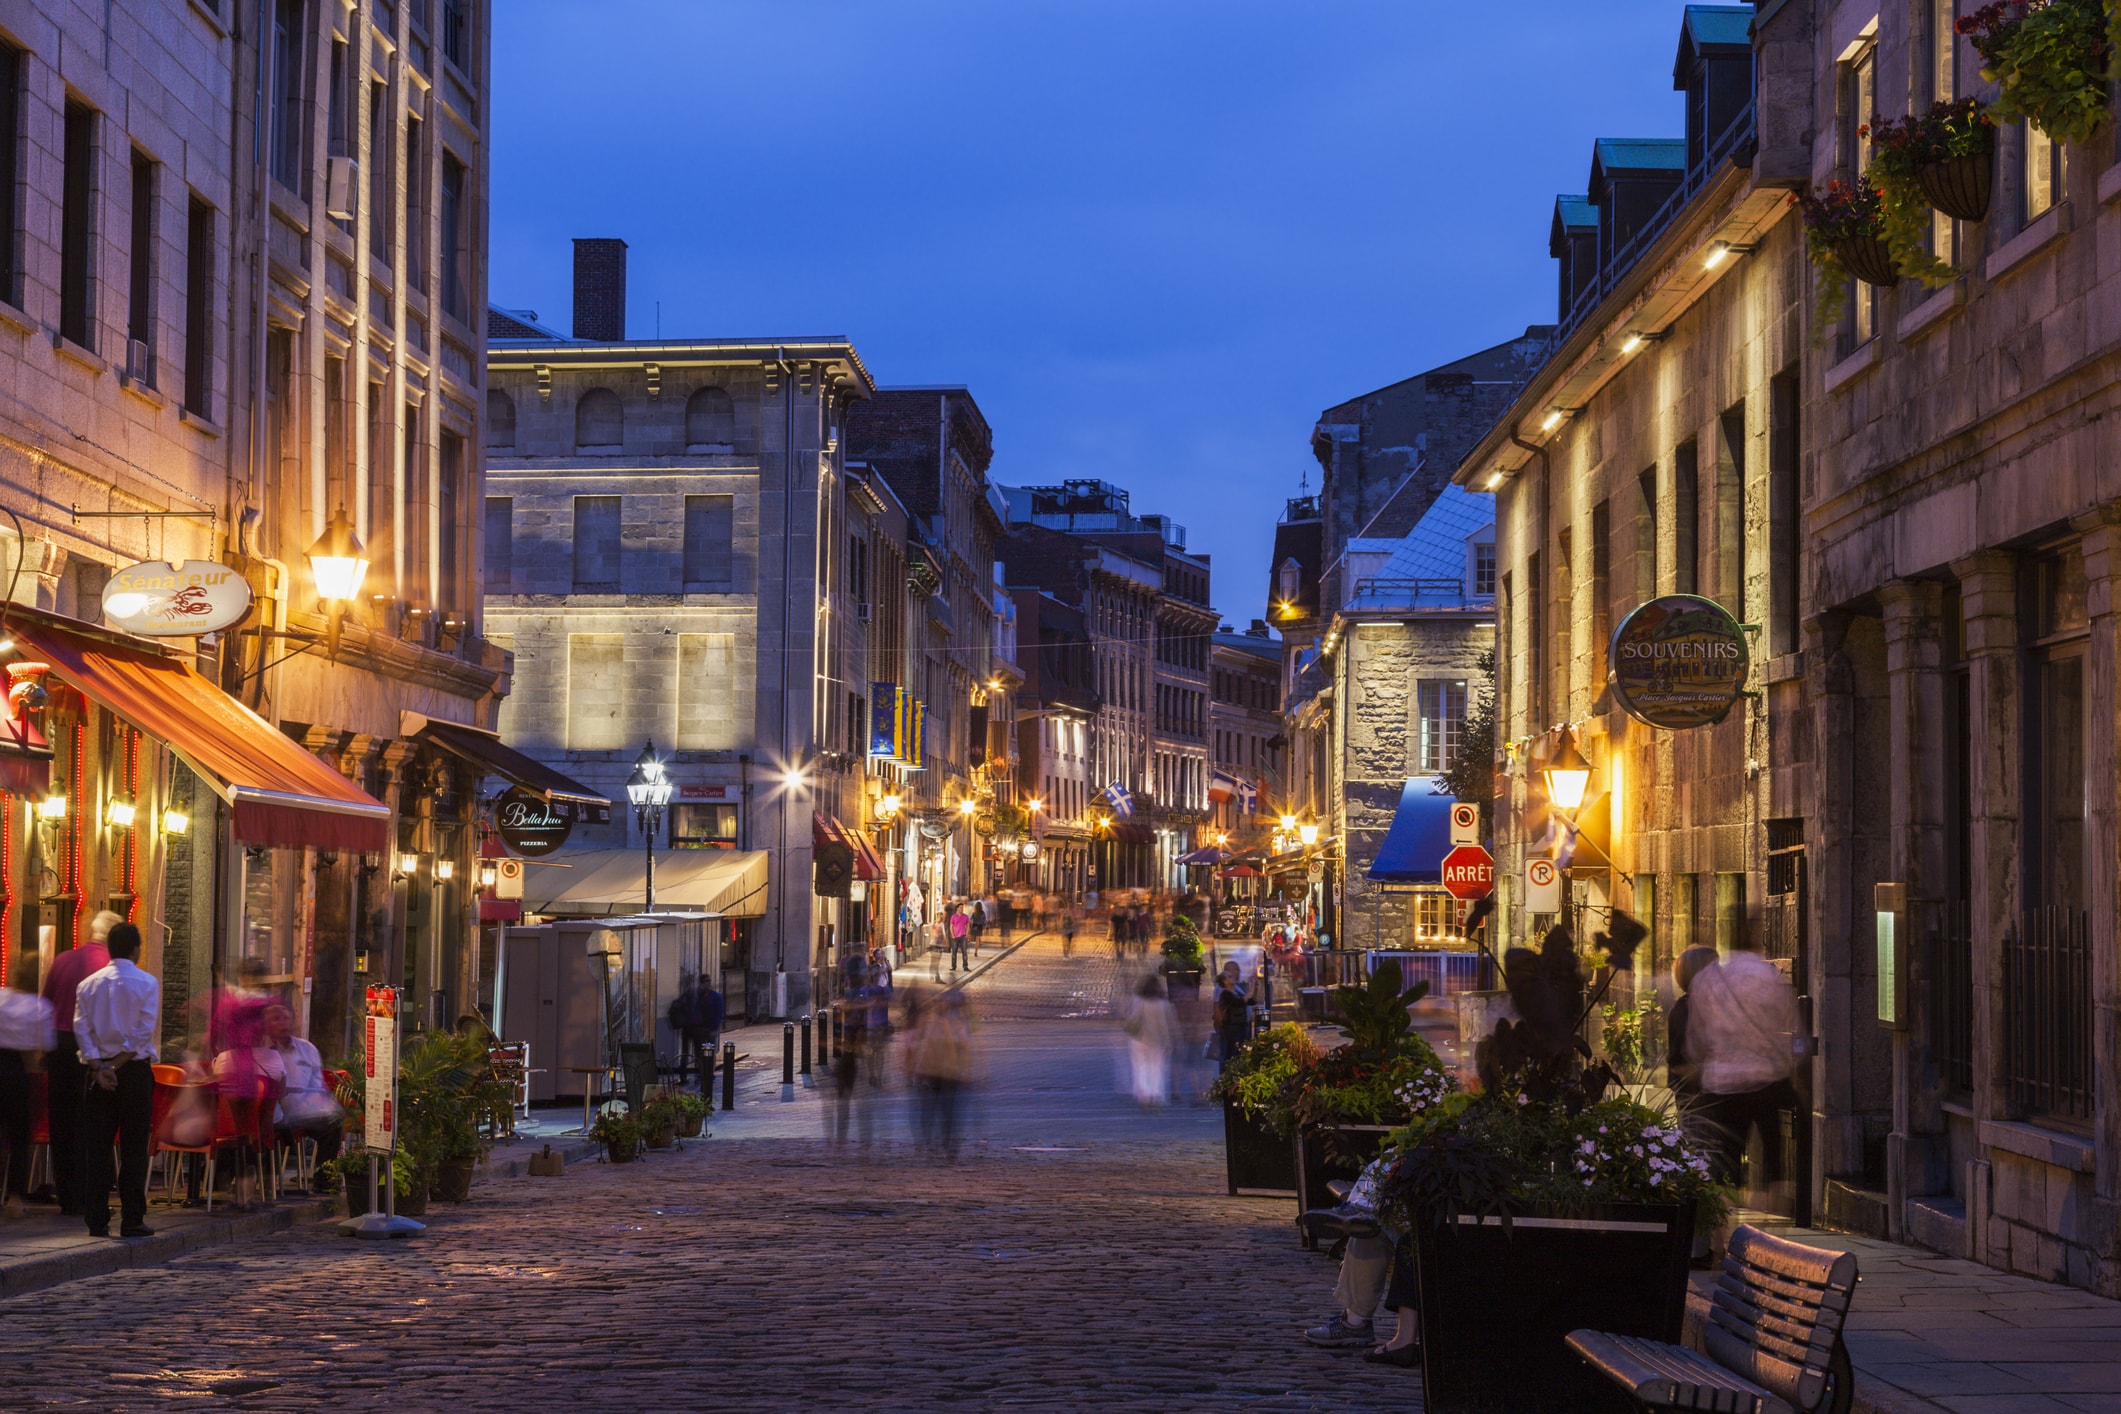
{"type": "Point", "coordinates": [1030, 849]}
{"type": "Point", "coordinates": [529, 826]}
{"type": "Point", "coordinates": [1679, 661]}
{"type": "Point", "coordinates": [380, 1073]}
{"type": "Point", "coordinates": [164, 600]}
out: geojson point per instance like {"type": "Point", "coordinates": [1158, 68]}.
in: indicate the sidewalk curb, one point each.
{"type": "Point", "coordinates": [41, 1273]}
{"type": "Point", "coordinates": [988, 966]}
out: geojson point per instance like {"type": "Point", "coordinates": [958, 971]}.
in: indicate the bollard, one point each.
{"type": "Point", "coordinates": [824, 1038]}
{"type": "Point", "coordinates": [787, 1060]}
{"type": "Point", "coordinates": [808, 1083]}
{"type": "Point", "coordinates": [729, 1075]}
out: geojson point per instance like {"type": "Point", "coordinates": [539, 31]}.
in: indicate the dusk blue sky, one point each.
{"type": "Point", "coordinates": [1154, 238]}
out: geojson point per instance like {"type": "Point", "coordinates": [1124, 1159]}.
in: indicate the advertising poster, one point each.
{"type": "Point", "coordinates": [381, 1100]}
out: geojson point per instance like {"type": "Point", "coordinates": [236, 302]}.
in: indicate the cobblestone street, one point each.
{"type": "Point", "coordinates": [1081, 1256]}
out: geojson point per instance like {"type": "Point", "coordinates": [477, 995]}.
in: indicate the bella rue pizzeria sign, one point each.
{"type": "Point", "coordinates": [174, 600]}
{"type": "Point", "coordinates": [529, 826]}
{"type": "Point", "coordinates": [1678, 662]}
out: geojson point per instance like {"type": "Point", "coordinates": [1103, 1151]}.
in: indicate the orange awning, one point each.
{"type": "Point", "coordinates": [868, 864]}
{"type": "Point", "coordinates": [280, 794]}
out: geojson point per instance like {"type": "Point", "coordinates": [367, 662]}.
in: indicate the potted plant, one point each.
{"type": "Point", "coordinates": [445, 1086]}
{"type": "Point", "coordinates": [1339, 1107]}
{"type": "Point", "coordinates": [659, 1122]}
{"type": "Point", "coordinates": [1255, 1157]}
{"type": "Point", "coordinates": [1539, 1205]}
{"type": "Point", "coordinates": [1844, 232]}
{"type": "Point", "coordinates": [2050, 60]}
{"type": "Point", "coordinates": [618, 1132]}
{"type": "Point", "coordinates": [1947, 156]}
{"type": "Point", "coordinates": [692, 1113]}
{"type": "Point", "coordinates": [1182, 952]}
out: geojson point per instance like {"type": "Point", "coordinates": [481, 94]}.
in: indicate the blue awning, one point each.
{"type": "Point", "coordinates": [1413, 849]}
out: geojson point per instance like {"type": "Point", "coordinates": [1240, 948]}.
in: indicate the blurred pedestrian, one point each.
{"type": "Point", "coordinates": [1682, 1065]}
{"type": "Point", "coordinates": [848, 1060]}
{"type": "Point", "coordinates": [960, 928]}
{"type": "Point", "coordinates": [1067, 927]}
{"type": "Point", "coordinates": [307, 1108]}
{"type": "Point", "coordinates": [243, 1068]}
{"type": "Point", "coordinates": [26, 1034]}
{"type": "Point", "coordinates": [117, 1015]}
{"type": "Point", "coordinates": [939, 1063]}
{"type": "Point", "coordinates": [1151, 1028]}
{"type": "Point", "coordinates": [1232, 1017]}
{"type": "Point", "coordinates": [996, 919]}
{"type": "Point", "coordinates": [65, 1078]}
{"type": "Point", "coordinates": [1740, 1026]}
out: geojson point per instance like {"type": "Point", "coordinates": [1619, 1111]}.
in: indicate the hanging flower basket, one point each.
{"type": "Point", "coordinates": [1869, 259]}
{"type": "Point", "coordinates": [1959, 186]}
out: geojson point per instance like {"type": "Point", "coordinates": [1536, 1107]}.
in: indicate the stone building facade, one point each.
{"type": "Point", "coordinates": [668, 524]}
{"type": "Point", "coordinates": [207, 358]}
{"type": "Point", "coordinates": [1245, 737]}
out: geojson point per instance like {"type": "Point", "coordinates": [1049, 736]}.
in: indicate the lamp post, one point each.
{"type": "Point", "coordinates": [339, 564]}
{"type": "Point", "coordinates": [1568, 775]}
{"type": "Point", "coordinates": [649, 791]}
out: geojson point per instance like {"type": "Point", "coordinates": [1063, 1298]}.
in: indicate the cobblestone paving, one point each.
{"type": "Point", "coordinates": [1106, 1271]}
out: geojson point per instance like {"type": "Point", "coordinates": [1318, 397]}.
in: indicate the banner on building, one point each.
{"type": "Point", "coordinates": [887, 715]}
{"type": "Point", "coordinates": [380, 1072]}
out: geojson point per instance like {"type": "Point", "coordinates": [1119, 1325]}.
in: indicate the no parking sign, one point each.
{"type": "Point", "coordinates": [1465, 823]}
{"type": "Point", "coordinates": [1542, 887]}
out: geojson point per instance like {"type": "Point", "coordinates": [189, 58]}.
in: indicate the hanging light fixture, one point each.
{"type": "Point", "coordinates": [1568, 775]}
{"type": "Point", "coordinates": [338, 561]}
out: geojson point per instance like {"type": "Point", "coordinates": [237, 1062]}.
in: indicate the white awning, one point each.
{"type": "Point", "coordinates": [608, 883]}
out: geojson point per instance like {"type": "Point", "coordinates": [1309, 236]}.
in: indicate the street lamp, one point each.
{"type": "Point", "coordinates": [1568, 775]}
{"type": "Point", "coordinates": [1308, 834]}
{"type": "Point", "coordinates": [339, 563]}
{"type": "Point", "coordinates": [649, 791]}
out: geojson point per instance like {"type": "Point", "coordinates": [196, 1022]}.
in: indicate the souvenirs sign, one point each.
{"type": "Point", "coordinates": [171, 600]}
{"type": "Point", "coordinates": [529, 826]}
{"type": "Point", "coordinates": [1678, 662]}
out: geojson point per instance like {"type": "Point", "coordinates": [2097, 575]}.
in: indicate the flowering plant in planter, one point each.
{"type": "Point", "coordinates": [1944, 158]}
{"type": "Point", "coordinates": [2051, 59]}
{"type": "Point", "coordinates": [1253, 1080]}
{"type": "Point", "coordinates": [1845, 222]}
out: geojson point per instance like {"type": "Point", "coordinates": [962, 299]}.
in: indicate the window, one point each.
{"type": "Point", "coordinates": [1484, 568]}
{"type": "Point", "coordinates": [596, 544]}
{"type": "Point", "coordinates": [1784, 511]}
{"type": "Point", "coordinates": [1436, 916]}
{"type": "Point", "coordinates": [500, 419]}
{"type": "Point", "coordinates": [710, 419]}
{"type": "Point", "coordinates": [456, 253]}
{"type": "Point", "coordinates": [1686, 519]}
{"type": "Point", "coordinates": [10, 210]}
{"type": "Point", "coordinates": [1535, 640]}
{"type": "Point", "coordinates": [501, 544]}
{"type": "Point", "coordinates": [2043, 173]}
{"type": "Point", "coordinates": [417, 508]}
{"type": "Point", "coordinates": [599, 419]}
{"type": "Point", "coordinates": [709, 547]}
{"type": "Point", "coordinates": [456, 33]}
{"type": "Point", "coordinates": [1601, 581]}
{"type": "Point", "coordinates": [379, 188]}
{"type": "Point", "coordinates": [1859, 106]}
{"type": "Point", "coordinates": [77, 257]}
{"type": "Point", "coordinates": [199, 309]}
{"type": "Point", "coordinates": [706, 707]}
{"type": "Point", "coordinates": [449, 510]}
{"type": "Point", "coordinates": [1943, 86]}
{"type": "Point", "coordinates": [338, 131]}
{"type": "Point", "coordinates": [415, 205]}
{"type": "Point", "coordinates": [596, 664]}
{"type": "Point", "coordinates": [1646, 536]}
{"type": "Point", "coordinates": [140, 313]}
{"type": "Point", "coordinates": [1729, 563]}
{"type": "Point", "coordinates": [338, 448]}
{"type": "Point", "coordinates": [290, 164]}
{"type": "Point", "coordinates": [2055, 745]}
{"type": "Point", "coordinates": [1443, 718]}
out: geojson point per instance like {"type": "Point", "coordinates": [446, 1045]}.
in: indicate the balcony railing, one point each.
{"type": "Point", "coordinates": [2047, 1014]}
{"type": "Point", "coordinates": [1735, 144]}
{"type": "Point", "coordinates": [1390, 593]}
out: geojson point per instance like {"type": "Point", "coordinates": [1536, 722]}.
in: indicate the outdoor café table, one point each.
{"type": "Point", "coordinates": [588, 1089]}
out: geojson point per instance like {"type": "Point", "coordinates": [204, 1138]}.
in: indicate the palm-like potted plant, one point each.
{"type": "Point", "coordinates": [445, 1087]}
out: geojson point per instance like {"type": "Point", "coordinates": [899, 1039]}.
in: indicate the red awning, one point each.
{"type": "Point", "coordinates": [868, 864]}
{"type": "Point", "coordinates": [280, 794]}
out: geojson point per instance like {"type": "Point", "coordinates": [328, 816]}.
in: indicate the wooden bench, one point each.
{"type": "Point", "coordinates": [1773, 1337]}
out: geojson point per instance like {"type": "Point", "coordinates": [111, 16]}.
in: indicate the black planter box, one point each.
{"type": "Point", "coordinates": [1327, 1152]}
{"type": "Point", "coordinates": [1496, 1308]}
{"type": "Point", "coordinates": [1254, 1159]}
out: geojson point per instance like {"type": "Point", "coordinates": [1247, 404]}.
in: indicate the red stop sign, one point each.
{"type": "Point", "coordinates": [1469, 872]}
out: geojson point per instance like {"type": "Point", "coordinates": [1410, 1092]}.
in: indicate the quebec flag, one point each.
{"type": "Point", "coordinates": [1119, 798]}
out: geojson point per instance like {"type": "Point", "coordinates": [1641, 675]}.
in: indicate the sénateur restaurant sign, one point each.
{"type": "Point", "coordinates": [1678, 662]}
{"type": "Point", "coordinates": [163, 600]}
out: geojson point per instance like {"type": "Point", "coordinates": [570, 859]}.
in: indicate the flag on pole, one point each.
{"type": "Point", "coordinates": [1224, 785]}
{"type": "Point", "coordinates": [1119, 798]}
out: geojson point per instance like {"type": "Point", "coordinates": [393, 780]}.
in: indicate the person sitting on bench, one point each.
{"type": "Point", "coordinates": [1372, 1252]}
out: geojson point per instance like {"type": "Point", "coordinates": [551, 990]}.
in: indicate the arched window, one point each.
{"type": "Point", "coordinates": [599, 421]}
{"type": "Point", "coordinates": [500, 419]}
{"type": "Point", "coordinates": [710, 419]}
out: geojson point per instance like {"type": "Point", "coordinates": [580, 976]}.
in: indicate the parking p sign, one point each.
{"type": "Point", "coordinates": [1542, 887]}
{"type": "Point", "coordinates": [1465, 823]}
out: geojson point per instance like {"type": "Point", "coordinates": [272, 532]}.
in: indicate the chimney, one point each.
{"type": "Point", "coordinates": [600, 289]}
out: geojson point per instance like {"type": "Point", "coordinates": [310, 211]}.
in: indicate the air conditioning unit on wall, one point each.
{"type": "Point", "coordinates": [340, 183]}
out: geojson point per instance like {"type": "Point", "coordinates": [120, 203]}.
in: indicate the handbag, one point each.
{"type": "Point", "coordinates": [190, 1121]}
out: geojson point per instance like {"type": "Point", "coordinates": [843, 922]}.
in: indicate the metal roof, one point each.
{"type": "Point", "coordinates": [1638, 154]}
{"type": "Point", "coordinates": [1575, 211]}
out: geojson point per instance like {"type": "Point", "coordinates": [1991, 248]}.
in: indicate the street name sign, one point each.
{"type": "Point", "coordinates": [1469, 872]}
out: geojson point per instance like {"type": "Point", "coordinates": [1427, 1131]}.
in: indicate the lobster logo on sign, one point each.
{"type": "Point", "coordinates": [196, 596]}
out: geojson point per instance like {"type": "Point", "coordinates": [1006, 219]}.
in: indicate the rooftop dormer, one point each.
{"type": "Point", "coordinates": [1715, 72]}
{"type": "Point", "coordinates": [1631, 179]}
{"type": "Point", "coordinates": [1574, 243]}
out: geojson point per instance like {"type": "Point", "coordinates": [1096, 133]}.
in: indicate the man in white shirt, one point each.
{"type": "Point", "coordinates": [308, 1109]}
{"type": "Point", "coordinates": [1741, 1025]}
{"type": "Point", "coordinates": [117, 1016]}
